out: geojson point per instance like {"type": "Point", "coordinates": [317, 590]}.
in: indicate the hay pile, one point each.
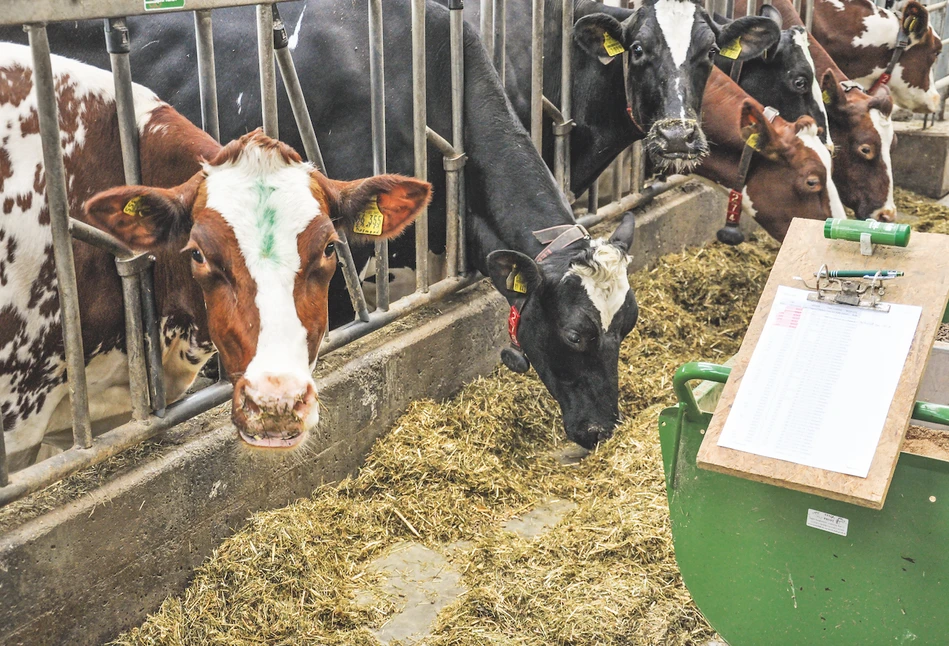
{"type": "Point", "coordinates": [450, 473]}
{"type": "Point", "coordinates": [456, 470]}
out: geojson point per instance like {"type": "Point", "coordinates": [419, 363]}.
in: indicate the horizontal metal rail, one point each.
{"type": "Point", "coordinates": [632, 201]}
{"type": "Point", "coordinates": [20, 12]}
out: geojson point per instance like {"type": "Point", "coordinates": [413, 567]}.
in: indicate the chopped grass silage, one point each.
{"type": "Point", "coordinates": [449, 474]}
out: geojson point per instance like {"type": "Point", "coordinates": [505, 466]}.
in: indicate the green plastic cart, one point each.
{"type": "Point", "coordinates": [763, 577]}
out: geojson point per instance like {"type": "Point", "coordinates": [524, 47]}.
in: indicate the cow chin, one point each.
{"type": "Point", "coordinates": [280, 424]}
{"type": "Point", "coordinates": [676, 145]}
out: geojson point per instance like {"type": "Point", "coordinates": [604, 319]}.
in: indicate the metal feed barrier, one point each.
{"type": "Point", "coordinates": [150, 414]}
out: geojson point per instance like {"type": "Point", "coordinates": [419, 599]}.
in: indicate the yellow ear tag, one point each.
{"type": "Point", "coordinates": [752, 140]}
{"type": "Point", "coordinates": [912, 24]}
{"type": "Point", "coordinates": [825, 95]}
{"type": "Point", "coordinates": [519, 285]}
{"type": "Point", "coordinates": [732, 50]}
{"type": "Point", "coordinates": [611, 45]}
{"type": "Point", "coordinates": [133, 207]}
{"type": "Point", "coordinates": [370, 221]}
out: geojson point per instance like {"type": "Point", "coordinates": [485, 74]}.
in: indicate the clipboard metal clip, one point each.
{"type": "Point", "coordinates": [865, 293]}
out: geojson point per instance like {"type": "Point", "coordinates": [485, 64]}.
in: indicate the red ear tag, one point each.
{"type": "Point", "coordinates": [513, 322]}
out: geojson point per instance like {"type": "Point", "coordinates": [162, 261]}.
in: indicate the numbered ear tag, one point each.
{"type": "Point", "coordinates": [825, 96]}
{"type": "Point", "coordinates": [515, 281]}
{"type": "Point", "coordinates": [731, 50]}
{"type": "Point", "coordinates": [752, 140]}
{"type": "Point", "coordinates": [370, 221]}
{"type": "Point", "coordinates": [133, 207]}
{"type": "Point", "coordinates": [910, 25]}
{"type": "Point", "coordinates": [611, 45]}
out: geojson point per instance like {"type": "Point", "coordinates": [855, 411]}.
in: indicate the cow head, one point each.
{"type": "Point", "coordinates": [794, 180]}
{"type": "Point", "coordinates": [671, 44]}
{"type": "Point", "coordinates": [913, 83]}
{"type": "Point", "coordinates": [258, 228]}
{"type": "Point", "coordinates": [863, 136]}
{"type": "Point", "coordinates": [575, 309]}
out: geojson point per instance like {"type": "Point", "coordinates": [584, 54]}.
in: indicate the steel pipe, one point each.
{"type": "Point", "coordinates": [207, 76]}
{"type": "Point", "coordinates": [593, 196]}
{"type": "Point", "coordinates": [637, 167]}
{"type": "Point", "coordinates": [48, 112]}
{"type": "Point", "coordinates": [4, 474]}
{"type": "Point", "coordinates": [566, 88]}
{"type": "Point", "coordinates": [455, 212]}
{"type": "Point", "coordinates": [134, 331]}
{"type": "Point", "coordinates": [118, 44]}
{"type": "Point", "coordinates": [616, 190]}
{"type": "Point", "coordinates": [453, 162]}
{"type": "Point", "coordinates": [487, 27]}
{"type": "Point", "coordinates": [614, 209]}
{"type": "Point", "coordinates": [268, 78]}
{"type": "Point", "coordinates": [537, 75]}
{"type": "Point", "coordinates": [808, 17]}
{"type": "Point", "coordinates": [500, 47]}
{"type": "Point", "coordinates": [378, 108]}
{"type": "Point", "coordinates": [153, 353]}
{"type": "Point", "coordinates": [420, 121]}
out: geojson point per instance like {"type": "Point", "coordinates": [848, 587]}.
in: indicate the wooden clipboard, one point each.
{"type": "Point", "coordinates": [925, 262]}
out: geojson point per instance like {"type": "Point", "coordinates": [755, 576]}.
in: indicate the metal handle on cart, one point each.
{"type": "Point", "coordinates": [923, 411]}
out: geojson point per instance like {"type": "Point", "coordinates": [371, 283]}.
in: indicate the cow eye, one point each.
{"type": "Point", "coordinates": [637, 50]}
{"type": "Point", "coordinates": [197, 256]}
{"type": "Point", "coordinates": [867, 151]}
{"type": "Point", "coordinates": [712, 52]}
{"type": "Point", "coordinates": [330, 249]}
{"type": "Point", "coordinates": [573, 336]}
{"type": "Point", "coordinates": [800, 83]}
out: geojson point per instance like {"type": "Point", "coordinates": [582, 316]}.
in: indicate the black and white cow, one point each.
{"type": "Point", "coordinates": [671, 44]}
{"type": "Point", "coordinates": [510, 192]}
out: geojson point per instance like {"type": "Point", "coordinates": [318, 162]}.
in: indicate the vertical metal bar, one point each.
{"type": "Point", "coordinates": [537, 74]}
{"type": "Point", "coordinates": [809, 18]}
{"type": "Point", "coordinates": [207, 76]}
{"type": "Point", "coordinates": [311, 147]}
{"type": "Point", "coordinates": [638, 171]}
{"type": "Point", "coordinates": [62, 243]}
{"type": "Point", "coordinates": [156, 373]}
{"type": "Point", "coordinates": [4, 474]}
{"type": "Point", "coordinates": [566, 83]}
{"type": "Point", "coordinates": [750, 8]}
{"type": "Point", "coordinates": [797, 6]}
{"type": "Point", "coordinates": [420, 121]}
{"type": "Point", "coordinates": [118, 45]}
{"type": "Point", "coordinates": [455, 188]}
{"type": "Point", "coordinates": [378, 93]}
{"type": "Point", "coordinates": [617, 187]}
{"type": "Point", "coordinates": [138, 374]}
{"type": "Point", "coordinates": [487, 26]}
{"type": "Point", "coordinates": [593, 196]}
{"type": "Point", "coordinates": [268, 79]}
{"type": "Point", "coordinates": [500, 50]}
{"type": "Point", "coordinates": [709, 6]}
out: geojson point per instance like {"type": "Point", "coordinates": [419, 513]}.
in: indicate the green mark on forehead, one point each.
{"type": "Point", "coordinates": [266, 220]}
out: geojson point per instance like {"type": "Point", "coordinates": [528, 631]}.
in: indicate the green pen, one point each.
{"type": "Point", "coordinates": [864, 273]}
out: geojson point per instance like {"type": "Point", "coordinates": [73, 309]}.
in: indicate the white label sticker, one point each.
{"type": "Point", "coordinates": [827, 522]}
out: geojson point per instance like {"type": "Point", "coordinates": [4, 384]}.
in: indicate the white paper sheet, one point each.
{"type": "Point", "coordinates": [820, 383]}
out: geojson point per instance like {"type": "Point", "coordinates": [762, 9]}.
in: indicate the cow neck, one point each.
{"type": "Point", "coordinates": [554, 239]}
{"type": "Point", "coordinates": [902, 42]}
{"type": "Point", "coordinates": [733, 212]}
{"type": "Point", "coordinates": [511, 192]}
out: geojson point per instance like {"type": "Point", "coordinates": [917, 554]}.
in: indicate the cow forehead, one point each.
{"type": "Point", "coordinates": [267, 202]}
{"type": "Point", "coordinates": [675, 19]}
{"type": "Point", "coordinates": [799, 37]}
{"type": "Point", "coordinates": [604, 279]}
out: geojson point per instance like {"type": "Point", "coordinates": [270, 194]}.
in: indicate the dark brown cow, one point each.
{"type": "Point", "coordinates": [245, 248]}
{"type": "Point", "coordinates": [861, 38]}
{"type": "Point", "coordinates": [860, 129]}
{"type": "Point", "coordinates": [789, 173]}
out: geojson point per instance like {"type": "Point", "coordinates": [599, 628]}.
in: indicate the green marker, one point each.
{"type": "Point", "coordinates": [864, 273]}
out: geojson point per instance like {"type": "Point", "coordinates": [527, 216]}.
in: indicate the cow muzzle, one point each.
{"type": "Point", "coordinates": [676, 144]}
{"type": "Point", "coordinates": [275, 411]}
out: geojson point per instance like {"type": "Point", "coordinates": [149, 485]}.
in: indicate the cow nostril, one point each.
{"type": "Point", "coordinates": [691, 134]}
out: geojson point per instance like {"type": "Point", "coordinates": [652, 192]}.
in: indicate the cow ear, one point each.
{"type": "Point", "coordinates": [514, 274]}
{"type": "Point", "coordinates": [757, 131]}
{"type": "Point", "coordinates": [881, 100]}
{"type": "Point", "coordinates": [143, 217]}
{"type": "Point", "coordinates": [601, 36]}
{"type": "Point", "coordinates": [747, 37]}
{"type": "Point", "coordinates": [915, 19]}
{"type": "Point", "coordinates": [376, 208]}
{"type": "Point", "coordinates": [831, 93]}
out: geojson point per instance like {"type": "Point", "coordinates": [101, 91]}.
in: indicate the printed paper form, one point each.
{"type": "Point", "coordinates": [820, 383]}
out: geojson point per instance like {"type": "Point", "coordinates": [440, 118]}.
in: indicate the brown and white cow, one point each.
{"type": "Point", "coordinates": [860, 127]}
{"type": "Point", "coordinates": [245, 247]}
{"type": "Point", "coordinates": [790, 173]}
{"type": "Point", "coordinates": [861, 38]}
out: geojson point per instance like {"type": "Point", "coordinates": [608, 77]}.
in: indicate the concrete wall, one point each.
{"type": "Point", "coordinates": [921, 157]}
{"type": "Point", "coordinates": [96, 566]}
